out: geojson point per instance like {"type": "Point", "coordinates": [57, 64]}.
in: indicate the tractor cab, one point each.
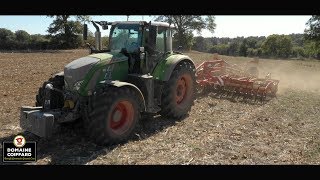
{"type": "Point", "coordinates": [143, 43]}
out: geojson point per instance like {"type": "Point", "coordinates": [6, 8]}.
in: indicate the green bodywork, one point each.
{"type": "Point", "coordinates": [114, 66]}
{"type": "Point", "coordinates": [164, 69]}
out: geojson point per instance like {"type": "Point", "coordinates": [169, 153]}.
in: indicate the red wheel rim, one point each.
{"type": "Point", "coordinates": [182, 88]}
{"type": "Point", "coordinates": [121, 117]}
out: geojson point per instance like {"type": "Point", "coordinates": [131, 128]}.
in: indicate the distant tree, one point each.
{"type": "Point", "coordinates": [200, 44]}
{"type": "Point", "coordinates": [259, 52]}
{"type": "Point", "coordinates": [243, 48]}
{"type": "Point", "coordinates": [66, 32]}
{"type": "Point", "coordinates": [224, 40]}
{"type": "Point", "coordinates": [260, 41]}
{"type": "Point", "coordinates": [312, 32]}
{"type": "Point", "coordinates": [22, 39]}
{"type": "Point", "coordinates": [7, 39]}
{"type": "Point", "coordinates": [189, 40]}
{"type": "Point", "coordinates": [252, 42]}
{"type": "Point", "coordinates": [91, 40]}
{"type": "Point", "coordinates": [277, 46]}
{"type": "Point", "coordinates": [252, 52]}
{"type": "Point", "coordinates": [297, 39]}
{"type": "Point", "coordinates": [311, 49]}
{"type": "Point", "coordinates": [212, 40]}
{"type": "Point", "coordinates": [22, 36]}
{"type": "Point", "coordinates": [6, 34]}
{"type": "Point", "coordinates": [269, 46]}
{"type": "Point", "coordinates": [38, 38]}
{"type": "Point", "coordinates": [233, 49]}
{"type": "Point", "coordinates": [298, 52]}
{"type": "Point", "coordinates": [38, 41]}
{"type": "Point", "coordinates": [186, 24]}
{"type": "Point", "coordinates": [220, 49]}
{"type": "Point", "coordinates": [284, 46]}
{"type": "Point", "coordinates": [105, 41]}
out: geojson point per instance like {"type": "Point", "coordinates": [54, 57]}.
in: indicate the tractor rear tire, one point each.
{"type": "Point", "coordinates": [57, 99]}
{"type": "Point", "coordinates": [111, 117]}
{"type": "Point", "coordinates": [179, 92]}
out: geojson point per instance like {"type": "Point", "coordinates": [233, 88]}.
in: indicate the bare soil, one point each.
{"type": "Point", "coordinates": [284, 130]}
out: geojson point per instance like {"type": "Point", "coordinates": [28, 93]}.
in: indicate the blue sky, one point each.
{"type": "Point", "coordinates": [227, 26]}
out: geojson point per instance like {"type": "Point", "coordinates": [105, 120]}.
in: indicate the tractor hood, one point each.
{"type": "Point", "coordinates": [77, 70]}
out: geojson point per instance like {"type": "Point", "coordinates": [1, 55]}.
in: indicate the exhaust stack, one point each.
{"type": "Point", "coordinates": [97, 35]}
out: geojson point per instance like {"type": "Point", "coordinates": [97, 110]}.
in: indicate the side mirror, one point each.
{"type": "Point", "coordinates": [85, 32]}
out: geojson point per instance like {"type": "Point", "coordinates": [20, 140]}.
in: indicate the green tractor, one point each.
{"type": "Point", "coordinates": [110, 89]}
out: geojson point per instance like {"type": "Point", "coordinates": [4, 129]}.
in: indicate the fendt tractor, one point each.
{"type": "Point", "coordinates": [110, 89]}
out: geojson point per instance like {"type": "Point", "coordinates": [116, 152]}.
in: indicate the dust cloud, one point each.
{"type": "Point", "coordinates": [295, 75]}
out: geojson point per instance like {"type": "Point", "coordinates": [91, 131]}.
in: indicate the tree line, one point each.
{"type": "Point", "coordinates": [22, 40]}
{"type": "Point", "coordinates": [305, 45]}
{"type": "Point", "coordinates": [273, 46]}
{"type": "Point", "coordinates": [65, 32]}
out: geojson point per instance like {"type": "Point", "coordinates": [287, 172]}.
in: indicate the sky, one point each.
{"type": "Point", "coordinates": [227, 26]}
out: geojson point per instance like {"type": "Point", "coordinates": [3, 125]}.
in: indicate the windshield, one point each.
{"type": "Point", "coordinates": [125, 36]}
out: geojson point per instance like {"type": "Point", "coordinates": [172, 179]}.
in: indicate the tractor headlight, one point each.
{"type": "Point", "coordinates": [77, 85]}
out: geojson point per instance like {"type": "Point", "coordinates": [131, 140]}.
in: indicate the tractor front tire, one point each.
{"type": "Point", "coordinates": [179, 91]}
{"type": "Point", "coordinates": [112, 116]}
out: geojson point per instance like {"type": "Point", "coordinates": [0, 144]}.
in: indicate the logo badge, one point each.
{"type": "Point", "coordinates": [19, 141]}
{"type": "Point", "coordinates": [19, 150]}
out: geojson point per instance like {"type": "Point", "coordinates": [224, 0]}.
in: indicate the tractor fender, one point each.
{"type": "Point", "coordinates": [164, 69]}
{"type": "Point", "coordinates": [126, 84]}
